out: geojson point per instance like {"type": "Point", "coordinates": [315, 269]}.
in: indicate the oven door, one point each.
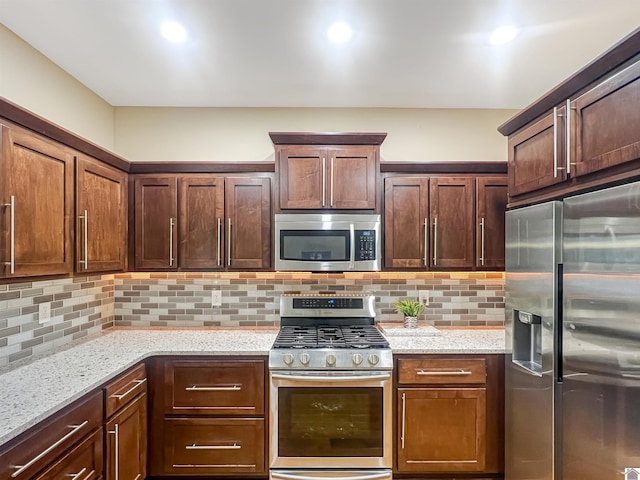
{"type": "Point", "coordinates": [330, 419]}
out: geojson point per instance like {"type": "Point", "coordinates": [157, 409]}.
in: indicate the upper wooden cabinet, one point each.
{"type": "Point", "coordinates": [101, 217]}
{"type": "Point", "coordinates": [443, 222]}
{"type": "Point", "coordinates": [327, 171]}
{"type": "Point", "coordinates": [36, 195]}
{"type": "Point", "coordinates": [202, 221]}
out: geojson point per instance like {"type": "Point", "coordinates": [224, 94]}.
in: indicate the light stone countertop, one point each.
{"type": "Point", "coordinates": [31, 392]}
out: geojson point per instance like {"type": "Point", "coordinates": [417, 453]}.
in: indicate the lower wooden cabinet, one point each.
{"type": "Point", "coordinates": [126, 443]}
{"type": "Point", "coordinates": [83, 462]}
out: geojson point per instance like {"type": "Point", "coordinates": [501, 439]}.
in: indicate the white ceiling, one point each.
{"type": "Point", "coordinates": [273, 53]}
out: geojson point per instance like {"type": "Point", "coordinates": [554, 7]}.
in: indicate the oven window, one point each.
{"type": "Point", "coordinates": [314, 245]}
{"type": "Point", "coordinates": [330, 422]}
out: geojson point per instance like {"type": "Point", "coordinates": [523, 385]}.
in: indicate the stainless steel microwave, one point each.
{"type": "Point", "coordinates": [319, 242]}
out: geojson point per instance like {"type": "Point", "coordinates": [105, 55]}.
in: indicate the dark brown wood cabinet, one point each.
{"type": "Point", "coordinates": [207, 417]}
{"type": "Point", "coordinates": [491, 205]}
{"type": "Point", "coordinates": [202, 222]}
{"type": "Point", "coordinates": [316, 177]}
{"type": "Point", "coordinates": [101, 217]}
{"type": "Point", "coordinates": [36, 200]}
{"type": "Point", "coordinates": [83, 462]}
{"type": "Point", "coordinates": [449, 414]}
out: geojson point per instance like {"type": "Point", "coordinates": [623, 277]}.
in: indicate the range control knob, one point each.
{"type": "Point", "coordinates": [374, 359]}
{"type": "Point", "coordinates": [331, 359]}
{"type": "Point", "coordinates": [305, 358]}
{"type": "Point", "coordinates": [357, 359]}
{"type": "Point", "coordinates": [287, 358]}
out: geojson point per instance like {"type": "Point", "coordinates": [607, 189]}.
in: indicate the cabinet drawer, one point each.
{"type": "Point", "coordinates": [84, 462]}
{"type": "Point", "coordinates": [209, 446]}
{"type": "Point", "coordinates": [124, 389]}
{"type": "Point", "coordinates": [439, 371]}
{"type": "Point", "coordinates": [214, 387]}
{"type": "Point", "coordinates": [50, 439]}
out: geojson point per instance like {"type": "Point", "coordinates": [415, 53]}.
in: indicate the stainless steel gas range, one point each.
{"type": "Point", "coordinates": [330, 390]}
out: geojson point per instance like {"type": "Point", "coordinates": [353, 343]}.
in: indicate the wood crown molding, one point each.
{"type": "Point", "coordinates": [326, 138]}
{"type": "Point", "coordinates": [473, 167]}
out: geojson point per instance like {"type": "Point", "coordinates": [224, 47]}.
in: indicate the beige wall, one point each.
{"type": "Point", "coordinates": [241, 134]}
{"type": "Point", "coordinates": [30, 80]}
{"type": "Point", "coordinates": [234, 134]}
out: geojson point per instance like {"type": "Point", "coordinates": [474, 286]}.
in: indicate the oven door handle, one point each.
{"type": "Point", "coordinates": [289, 476]}
{"type": "Point", "coordinates": [327, 379]}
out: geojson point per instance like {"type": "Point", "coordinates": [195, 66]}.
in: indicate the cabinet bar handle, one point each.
{"type": "Point", "coordinates": [567, 129]}
{"type": "Point", "coordinates": [482, 242]}
{"type": "Point", "coordinates": [116, 432]}
{"type": "Point", "coordinates": [352, 250]}
{"type": "Point", "coordinates": [85, 246]}
{"type": "Point", "coordinates": [219, 465]}
{"type": "Point", "coordinates": [235, 446]}
{"type": "Point", "coordinates": [137, 384]}
{"type": "Point", "coordinates": [196, 388]}
{"type": "Point", "coordinates": [90, 474]}
{"type": "Point", "coordinates": [435, 241]}
{"type": "Point", "coordinates": [76, 476]}
{"type": "Point", "coordinates": [555, 142]}
{"type": "Point", "coordinates": [219, 239]}
{"type": "Point", "coordinates": [404, 418]}
{"type": "Point", "coordinates": [12, 241]}
{"type": "Point", "coordinates": [434, 373]}
{"type": "Point", "coordinates": [229, 244]}
{"type": "Point", "coordinates": [331, 183]}
{"type": "Point", "coordinates": [22, 468]}
{"type": "Point", "coordinates": [324, 181]}
{"type": "Point", "coordinates": [426, 243]}
{"type": "Point", "coordinates": [170, 243]}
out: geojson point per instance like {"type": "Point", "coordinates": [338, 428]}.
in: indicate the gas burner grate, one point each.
{"type": "Point", "coordinates": [361, 336]}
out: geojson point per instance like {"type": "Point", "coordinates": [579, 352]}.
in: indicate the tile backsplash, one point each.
{"type": "Point", "coordinates": [85, 305]}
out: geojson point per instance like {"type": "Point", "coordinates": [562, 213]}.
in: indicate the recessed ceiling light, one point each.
{"type": "Point", "coordinates": [339, 32]}
{"type": "Point", "coordinates": [503, 35]}
{"type": "Point", "coordinates": [174, 32]}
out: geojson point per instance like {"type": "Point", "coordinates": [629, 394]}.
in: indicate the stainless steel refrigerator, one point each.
{"type": "Point", "coordinates": [573, 338]}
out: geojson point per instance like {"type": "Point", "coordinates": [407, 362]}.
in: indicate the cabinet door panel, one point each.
{"type": "Point", "coordinates": [101, 192]}
{"type": "Point", "coordinates": [441, 430]}
{"type": "Point", "coordinates": [156, 209]}
{"type": "Point", "coordinates": [248, 206]}
{"type": "Point", "coordinates": [126, 452]}
{"type": "Point", "coordinates": [302, 175]}
{"type": "Point", "coordinates": [352, 177]}
{"type": "Point", "coordinates": [83, 461]}
{"type": "Point", "coordinates": [452, 221]}
{"type": "Point", "coordinates": [38, 173]}
{"type": "Point", "coordinates": [607, 123]}
{"type": "Point", "coordinates": [406, 208]}
{"type": "Point", "coordinates": [201, 222]}
{"type": "Point", "coordinates": [491, 205]}
{"type": "Point", "coordinates": [531, 155]}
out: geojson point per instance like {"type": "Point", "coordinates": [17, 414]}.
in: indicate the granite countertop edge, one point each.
{"type": "Point", "coordinates": [77, 368]}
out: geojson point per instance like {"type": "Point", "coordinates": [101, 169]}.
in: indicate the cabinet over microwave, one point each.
{"type": "Point", "coordinates": [318, 242]}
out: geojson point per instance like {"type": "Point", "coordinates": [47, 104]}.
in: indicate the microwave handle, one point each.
{"type": "Point", "coordinates": [352, 253]}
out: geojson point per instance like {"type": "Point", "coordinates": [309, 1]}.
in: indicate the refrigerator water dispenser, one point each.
{"type": "Point", "coordinates": [527, 341]}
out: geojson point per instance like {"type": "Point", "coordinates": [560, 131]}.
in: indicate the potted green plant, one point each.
{"type": "Point", "coordinates": [411, 309]}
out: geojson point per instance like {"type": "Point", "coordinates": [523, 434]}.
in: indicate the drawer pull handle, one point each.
{"type": "Point", "coordinates": [220, 465]}
{"type": "Point", "coordinates": [196, 388]}
{"type": "Point", "coordinates": [75, 476]}
{"type": "Point", "coordinates": [22, 468]}
{"type": "Point", "coordinates": [444, 372]}
{"type": "Point", "coordinates": [137, 384]}
{"type": "Point", "coordinates": [91, 475]}
{"type": "Point", "coordinates": [235, 446]}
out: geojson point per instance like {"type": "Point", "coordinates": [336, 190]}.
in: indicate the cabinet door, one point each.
{"type": "Point", "coordinates": [491, 205]}
{"type": "Point", "coordinates": [303, 177]}
{"type": "Point", "coordinates": [101, 217]}
{"type": "Point", "coordinates": [441, 429]}
{"type": "Point", "coordinates": [406, 222]}
{"type": "Point", "coordinates": [352, 177]}
{"type": "Point", "coordinates": [126, 444]}
{"type": "Point", "coordinates": [248, 208]}
{"type": "Point", "coordinates": [452, 222]}
{"type": "Point", "coordinates": [201, 222]}
{"type": "Point", "coordinates": [156, 210]}
{"type": "Point", "coordinates": [607, 123]}
{"type": "Point", "coordinates": [537, 155]}
{"type": "Point", "coordinates": [36, 198]}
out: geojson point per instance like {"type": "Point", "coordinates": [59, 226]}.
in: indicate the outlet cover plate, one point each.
{"type": "Point", "coordinates": [423, 297]}
{"type": "Point", "coordinates": [44, 312]}
{"type": "Point", "coordinates": [216, 298]}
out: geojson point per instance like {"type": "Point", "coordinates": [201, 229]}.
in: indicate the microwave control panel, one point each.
{"type": "Point", "coordinates": [365, 245]}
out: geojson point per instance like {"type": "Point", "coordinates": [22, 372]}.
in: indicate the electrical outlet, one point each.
{"type": "Point", "coordinates": [216, 298]}
{"type": "Point", "coordinates": [44, 312]}
{"type": "Point", "coordinates": [423, 297]}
